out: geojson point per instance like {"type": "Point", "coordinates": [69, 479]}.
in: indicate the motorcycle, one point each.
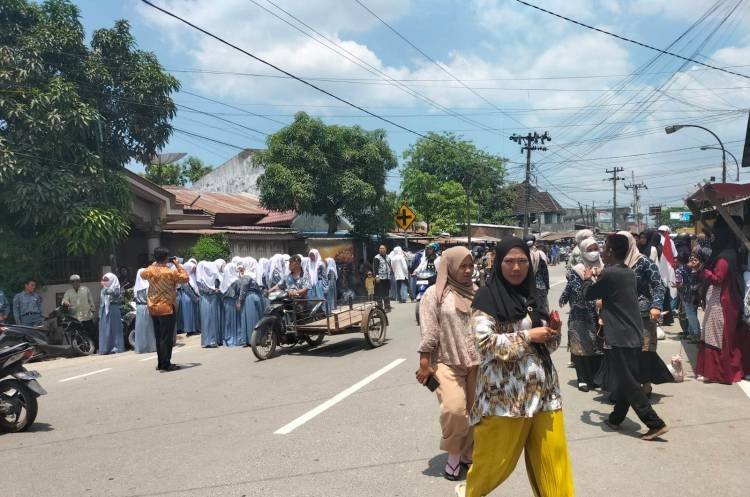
{"type": "Point", "coordinates": [19, 388]}
{"type": "Point", "coordinates": [425, 279]}
{"type": "Point", "coordinates": [60, 336]}
{"type": "Point", "coordinates": [277, 326]}
{"type": "Point", "coordinates": [128, 325]}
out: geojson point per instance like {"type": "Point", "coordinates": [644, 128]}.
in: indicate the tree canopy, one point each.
{"type": "Point", "coordinates": [177, 173]}
{"type": "Point", "coordinates": [324, 170]}
{"type": "Point", "coordinates": [71, 117]}
{"type": "Point", "coordinates": [441, 170]}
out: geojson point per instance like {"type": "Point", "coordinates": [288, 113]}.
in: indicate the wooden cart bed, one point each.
{"type": "Point", "coordinates": [341, 320]}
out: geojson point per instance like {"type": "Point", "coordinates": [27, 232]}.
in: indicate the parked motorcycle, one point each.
{"type": "Point", "coordinates": [276, 327]}
{"type": "Point", "coordinates": [425, 279]}
{"type": "Point", "coordinates": [19, 388]}
{"type": "Point", "coordinates": [61, 335]}
{"type": "Point", "coordinates": [128, 325]}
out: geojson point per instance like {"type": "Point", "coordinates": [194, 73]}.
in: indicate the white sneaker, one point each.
{"type": "Point", "coordinates": [461, 490]}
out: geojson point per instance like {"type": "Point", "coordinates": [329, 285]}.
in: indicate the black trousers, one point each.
{"type": "Point", "coordinates": [164, 334]}
{"type": "Point", "coordinates": [383, 292]}
{"type": "Point", "coordinates": [91, 330]}
{"type": "Point", "coordinates": [623, 364]}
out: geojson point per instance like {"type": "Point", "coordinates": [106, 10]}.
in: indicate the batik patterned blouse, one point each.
{"type": "Point", "coordinates": [511, 381]}
{"type": "Point", "coordinates": [650, 288]}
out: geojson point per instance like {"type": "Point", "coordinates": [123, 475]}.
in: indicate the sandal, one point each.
{"type": "Point", "coordinates": [452, 473]}
{"type": "Point", "coordinates": [465, 464]}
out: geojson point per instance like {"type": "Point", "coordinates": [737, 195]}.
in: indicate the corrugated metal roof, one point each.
{"type": "Point", "coordinates": [278, 219]}
{"type": "Point", "coordinates": [218, 203]}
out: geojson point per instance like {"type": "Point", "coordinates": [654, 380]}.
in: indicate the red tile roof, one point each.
{"type": "Point", "coordinates": [725, 192]}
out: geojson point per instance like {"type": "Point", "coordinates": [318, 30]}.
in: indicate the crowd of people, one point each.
{"type": "Point", "coordinates": [486, 350]}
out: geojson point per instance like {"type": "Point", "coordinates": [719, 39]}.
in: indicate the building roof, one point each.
{"type": "Point", "coordinates": [725, 193]}
{"type": "Point", "coordinates": [218, 203]}
{"type": "Point", "coordinates": [278, 219]}
{"type": "Point", "coordinates": [539, 201]}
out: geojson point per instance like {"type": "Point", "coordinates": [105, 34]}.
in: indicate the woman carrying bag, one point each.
{"type": "Point", "coordinates": [448, 353]}
{"type": "Point", "coordinates": [518, 406]}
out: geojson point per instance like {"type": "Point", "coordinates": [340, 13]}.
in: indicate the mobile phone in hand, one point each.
{"type": "Point", "coordinates": [432, 383]}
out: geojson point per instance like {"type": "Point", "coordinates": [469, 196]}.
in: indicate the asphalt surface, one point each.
{"type": "Point", "coordinates": [209, 429]}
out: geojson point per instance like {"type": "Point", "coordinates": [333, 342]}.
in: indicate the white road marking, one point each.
{"type": "Point", "coordinates": [84, 375]}
{"type": "Point", "coordinates": [558, 283]}
{"type": "Point", "coordinates": [285, 430]}
{"type": "Point", "coordinates": [745, 386]}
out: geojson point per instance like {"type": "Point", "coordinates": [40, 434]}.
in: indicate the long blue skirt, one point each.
{"type": "Point", "coordinates": [317, 292]}
{"type": "Point", "coordinates": [110, 331]}
{"type": "Point", "coordinates": [252, 312]}
{"type": "Point", "coordinates": [234, 335]}
{"type": "Point", "coordinates": [197, 315]}
{"type": "Point", "coordinates": [210, 320]}
{"type": "Point", "coordinates": [145, 341]}
{"type": "Point", "coordinates": [332, 296]}
{"type": "Point", "coordinates": [186, 318]}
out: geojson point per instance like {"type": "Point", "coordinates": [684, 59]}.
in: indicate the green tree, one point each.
{"type": "Point", "coordinates": [165, 174]}
{"type": "Point", "coordinates": [441, 158]}
{"type": "Point", "coordinates": [71, 117]}
{"type": "Point", "coordinates": [378, 219]}
{"type": "Point", "coordinates": [194, 169]}
{"type": "Point", "coordinates": [314, 168]}
{"type": "Point", "coordinates": [211, 247]}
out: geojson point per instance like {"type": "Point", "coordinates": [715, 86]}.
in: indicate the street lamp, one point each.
{"type": "Point", "coordinates": [706, 147]}
{"type": "Point", "coordinates": [676, 127]}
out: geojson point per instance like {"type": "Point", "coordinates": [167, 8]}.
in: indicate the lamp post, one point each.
{"type": "Point", "coordinates": [736, 163]}
{"type": "Point", "coordinates": [676, 127]}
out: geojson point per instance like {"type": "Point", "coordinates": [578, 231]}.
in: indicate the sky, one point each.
{"type": "Point", "coordinates": [485, 69]}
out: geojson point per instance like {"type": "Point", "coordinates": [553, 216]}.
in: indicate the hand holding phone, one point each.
{"type": "Point", "coordinates": [432, 383]}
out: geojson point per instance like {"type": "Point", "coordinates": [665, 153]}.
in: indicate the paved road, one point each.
{"type": "Point", "coordinates": [209, 430]}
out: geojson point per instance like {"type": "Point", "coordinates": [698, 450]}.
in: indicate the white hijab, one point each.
{"type": "Point", "coordinates": [236, 259]}
{"type": "Point", "coordinates": [220, 265]}
{"type": "Point", "coordinates": [207, 273]}
{"type": "Point", "coordinates": [262, 272]}
{"type": "Point", "coordinates": [584, 264]}
{"type": "Point", "coordinates": [312, 264]}
{"type": "Point", "coordinates": [190, 270]}
{"type": "Point", "coordinates": [140, 283]}
{"type": "Point", "coordinates": [230, 276]}
{"type": "Point", "coordinates": [251, 268]}
{"type": "Point", "coordinates": [332, 267]}
{"type": "Point", "coordinates": [113, 284]}
{"type": "Point", "coordinates": [277, 264]}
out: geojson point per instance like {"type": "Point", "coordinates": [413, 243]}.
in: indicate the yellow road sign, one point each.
{"type": "Point", "coordinates": [405, 217]}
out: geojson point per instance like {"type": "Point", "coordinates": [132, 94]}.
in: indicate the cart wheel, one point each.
{"type": "Point", "coordinates": [376, 327]}
{"type": "Point", "coordinates": [314, 340]}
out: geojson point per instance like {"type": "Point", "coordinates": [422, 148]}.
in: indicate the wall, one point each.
{"type": "Point", "coordinates": [257, 248]}
{"type": "Point", "coordinates": [49, 294]}
{"type": "Point", "coordinates": [238, 174]}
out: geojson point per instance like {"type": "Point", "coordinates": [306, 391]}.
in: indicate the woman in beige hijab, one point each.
{"type": "Point", "coordinates": [448, 352]}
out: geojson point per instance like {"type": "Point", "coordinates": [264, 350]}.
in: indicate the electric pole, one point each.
{"type": "Point", "coordinates": [532, 141]}
{"type": "Point", "coordinates": [614, 179]}
{"type": "Point", "coordinates": [637, 198]}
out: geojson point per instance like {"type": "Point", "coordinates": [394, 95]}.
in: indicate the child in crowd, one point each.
{"type": "Point", "coordinates": [686, 281]}
{"type": "Point", "coordinates": [370, 285]}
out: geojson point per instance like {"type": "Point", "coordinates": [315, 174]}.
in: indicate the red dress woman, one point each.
{"type": "Point", "coordinates": [723, 354]}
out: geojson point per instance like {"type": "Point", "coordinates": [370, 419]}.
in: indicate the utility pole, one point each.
{"type": "Point", "coordinates": [614, 179]}
{"type": "Point", "coordinates": [532, 141]}
{"type": "Point", "coordinates": [636, 198]}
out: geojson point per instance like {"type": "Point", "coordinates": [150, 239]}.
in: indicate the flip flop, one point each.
{"type": "Point", "coordinates": [452, 473]}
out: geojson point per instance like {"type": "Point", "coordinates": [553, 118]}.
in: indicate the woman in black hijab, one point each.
{"type": "Point", "coordinates": [724, 349]}
{"type": "Point", "coordinates": [518, 406]}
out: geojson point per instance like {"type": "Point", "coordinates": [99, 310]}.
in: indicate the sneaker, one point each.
{"type": "Point", "coordinates": [700, 377]}
{"type": "Point", "coordinates": [583, 387]}
{"type": "Point", "coordinates": [461, 490]}
{"type": "Point", "coordinates": [571, 365]}
{"type": "Point", "coordinates": [655, 433]}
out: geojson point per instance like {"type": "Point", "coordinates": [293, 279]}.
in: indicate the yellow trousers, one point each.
{"type": "Point", "coordinates": [498, 442]}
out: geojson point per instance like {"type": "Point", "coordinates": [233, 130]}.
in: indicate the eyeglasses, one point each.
{"type": "Point", "coordinates": [516, 262]}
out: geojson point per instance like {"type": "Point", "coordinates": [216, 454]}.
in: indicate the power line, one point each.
{"type": "Point", "coordinates": [629, 40]}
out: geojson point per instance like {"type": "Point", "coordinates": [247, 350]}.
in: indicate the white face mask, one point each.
{"type": "Point", "coordinates": [591, 256]}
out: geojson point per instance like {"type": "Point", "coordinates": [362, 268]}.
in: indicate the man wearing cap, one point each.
{"type": "Point", "coordinates": [78, 301]}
